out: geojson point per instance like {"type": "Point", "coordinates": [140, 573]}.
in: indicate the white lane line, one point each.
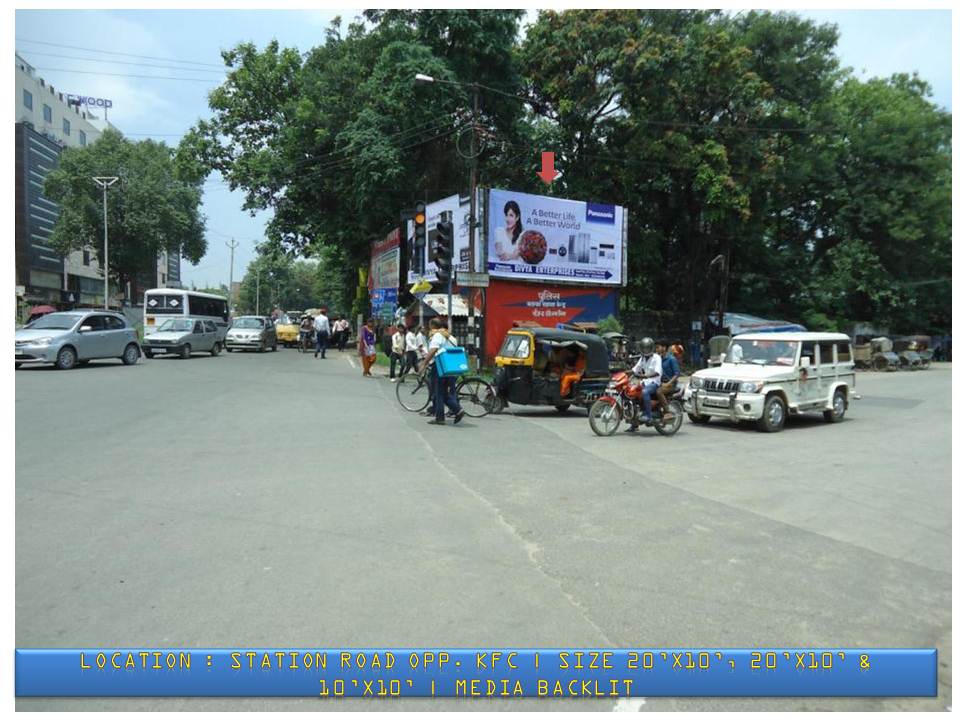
{"type": "Point", "coordinates": [352, 362]}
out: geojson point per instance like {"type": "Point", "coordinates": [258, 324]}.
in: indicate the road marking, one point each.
{"type": "Point", "coordinates": [352, 362]}
{"type": "Point", "coordinates": [629, 704]}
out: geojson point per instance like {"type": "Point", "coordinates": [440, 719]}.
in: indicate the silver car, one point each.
{"type": "Point", "coordinates": [67, 339]}
{"type": "Point", "coordinates": [183, 336]}
{"type": "Point", "coordinates": [252, 332]}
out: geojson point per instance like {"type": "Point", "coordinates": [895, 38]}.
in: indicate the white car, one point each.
{"type": "Point", "coordinates": [766, 376]}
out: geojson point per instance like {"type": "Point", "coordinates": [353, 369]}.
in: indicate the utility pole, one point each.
{"type": "Point", "coordinates": [258, 292]}
{"type": "Point", "coordinates": [105, 182]}
{"type": "Point", "coordinates": [471, 326]}
{"type": "Point", "coordinates": [232, 245]}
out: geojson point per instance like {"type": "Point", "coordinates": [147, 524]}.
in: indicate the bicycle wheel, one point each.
{"type": "Point", "coordinates": [477, 397]}
{"type": "Point", "coordinates": [412, 393]}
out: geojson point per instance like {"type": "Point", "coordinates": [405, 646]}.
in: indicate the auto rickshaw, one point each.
{"type": "Point", "coordinates": [546, 366]}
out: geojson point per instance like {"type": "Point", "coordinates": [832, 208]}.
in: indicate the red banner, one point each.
{"type": "Point", "coordinates": [547, 305]}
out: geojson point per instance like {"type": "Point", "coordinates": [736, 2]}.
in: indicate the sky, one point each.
{"type": "Point", "coordinates": [185, 45]}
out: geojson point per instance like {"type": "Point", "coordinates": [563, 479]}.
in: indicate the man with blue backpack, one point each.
{"type": "Point", "coordinates": [444, 386]}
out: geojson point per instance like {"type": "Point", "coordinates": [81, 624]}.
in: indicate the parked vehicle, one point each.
{"type": "Point", "coordinates": [883, 357]}
{"type": "Point", "coordinates": [183, 337]}
{"type": "Point", "coordinates": [67, 339]}
{"type": "Point", "coordinates": [767, 376]}
{"type": "Point", "coordinates": [623, 400]}
{"type": "Point", "coordinates": [546, 366]}
{"type": "Point", "coordinates": [252, 332]}
{"type": "Point", "coordinates": [914, 351]}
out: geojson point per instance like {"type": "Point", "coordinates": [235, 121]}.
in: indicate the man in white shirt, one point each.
{"type": "Point", "coordinates": [648, 369]}
{"type": "Point", "coordinates": [410, 355]}
{"type": "Point", "coordinates": [322, 325]}
{"type": "Point", "coordinates": [444, 391]}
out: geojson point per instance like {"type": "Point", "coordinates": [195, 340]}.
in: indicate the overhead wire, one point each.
{"type": "Point", "coordinates": [114, 52]}
{"type": "Point", "coordinates": [126, 62]}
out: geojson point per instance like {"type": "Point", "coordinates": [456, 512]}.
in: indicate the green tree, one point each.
{"type": "Point", "coordinates": [153, 207]}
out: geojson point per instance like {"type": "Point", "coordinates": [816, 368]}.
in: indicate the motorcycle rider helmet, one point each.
{"type": "Point", "coordinates": [646, 347]}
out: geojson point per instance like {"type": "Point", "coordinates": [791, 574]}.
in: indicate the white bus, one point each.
{"type": "Point", "coordinates": [161, 304]}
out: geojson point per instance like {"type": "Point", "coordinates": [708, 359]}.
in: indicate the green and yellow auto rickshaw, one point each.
{"type": "Point", "coordinates": [547, 366]}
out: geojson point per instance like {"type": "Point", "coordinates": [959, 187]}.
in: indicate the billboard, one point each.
{"type": "Point", "coordinates": [548, 305]}
{"type": "Point", "coordinates": [459, 215]}
{"type": "Point", "coordinates": [533, 237]}
{"type": "Point", "coordinates": [385, 261]}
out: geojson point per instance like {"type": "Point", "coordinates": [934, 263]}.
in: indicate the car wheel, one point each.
{"type": "Point", "coordinates": [147, 353]}
{"type": "Point", "coordinates": [66, 358]}
{"type": "Point", "coordinates": [262, 347]}
{"type": "Point", "coordinates": [774, 414]}
{"type": "Point", "coordinates": [216, 349]}
{"type": "Point", "coordinates": [838, 407]}
{"type": "Point", "coordinates": [131, 354]}
{"type": "Point", "coordinates": [698, 419]}
{"type": "Point", "coordinates": [229, 349]}
{"type": "Point", "coordinates": [18, 366]}
{"type": "Point", "coordinates": [185, 353]}
{"type": "Point", "coordinates": [274, 348]}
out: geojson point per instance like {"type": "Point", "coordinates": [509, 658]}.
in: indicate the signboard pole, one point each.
{"type": "Point", "coordinates": [471, 334]}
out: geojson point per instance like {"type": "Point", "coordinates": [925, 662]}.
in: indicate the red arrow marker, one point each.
{"type": "Point", "coordinates": [547, 173]}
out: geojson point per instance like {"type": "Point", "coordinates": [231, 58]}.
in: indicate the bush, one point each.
{"type": "Point", "coordinates": [609, 324]}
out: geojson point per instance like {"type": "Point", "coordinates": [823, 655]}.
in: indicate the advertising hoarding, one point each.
{"type": "Point", "coordinates": [534, 237]}
{"type": "Point", "coordinates": [459, 216]}
{"type": "Point", "coordinates": [384, 276]}
{"type": "Point", "coordinates": [548, 305]}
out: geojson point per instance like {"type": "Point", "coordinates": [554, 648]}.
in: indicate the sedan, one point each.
{"type": "Point", "coordinates": [68, 339]}
{"type": "Point", "coordinates": [252, 332]}
{"type": "Point", "coordinates": [183, 336]}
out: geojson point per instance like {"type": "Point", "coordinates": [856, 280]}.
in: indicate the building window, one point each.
{"type": "Point", "coordinates": [86, 257]}
{"type": "Point", "coordinates": [66, 126]}
{"type": "Point", "coordinates": [28, 100]}
{"type": "Point", "coordinates": [83, 138]}
{"type": "Point", "coordinates": [47, 114]}
{"type": "Point", "coordinates": [163, 278]}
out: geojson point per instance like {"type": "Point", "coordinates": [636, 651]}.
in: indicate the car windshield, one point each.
{"type": "Point", "coordinates": [54, 321]}
{"type": "Point", "coordinates": [248, 323]}
{"type": "Point", "coordinates": [761, 352]}
{"type": "Point", "coordinates": [181, 325]}
{"type": "Point", "coordinates": [516, 346]}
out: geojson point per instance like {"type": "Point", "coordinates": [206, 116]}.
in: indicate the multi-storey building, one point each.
{"type": "Point", "coordinates": [46, 122]}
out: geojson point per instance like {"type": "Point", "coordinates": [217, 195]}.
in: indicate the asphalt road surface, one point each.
{"type": "Point", "coordinates": [277, 500]}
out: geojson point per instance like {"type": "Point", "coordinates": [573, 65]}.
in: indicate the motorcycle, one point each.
{"type": "Point", "coordinates": [308, 339]}
{"type": "Point", "coordinates": [623, 400]}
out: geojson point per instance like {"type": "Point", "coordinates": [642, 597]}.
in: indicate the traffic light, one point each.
{"type": "Point", "coordinates": [444, 259]}
{"type": "Point", "coordinates": [420, 226]}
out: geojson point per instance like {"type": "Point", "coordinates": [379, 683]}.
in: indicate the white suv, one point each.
{"type": "Point", "coordinates": [766, 376]}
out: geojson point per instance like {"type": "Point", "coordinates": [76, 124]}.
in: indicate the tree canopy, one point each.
{"type": "Point", "coordinates": [724, 134]}
{"type": "Point", "coordinates": [153, 207]}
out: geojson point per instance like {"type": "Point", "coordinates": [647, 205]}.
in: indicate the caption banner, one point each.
{"type": "Point", "coordinates": [432, 672]}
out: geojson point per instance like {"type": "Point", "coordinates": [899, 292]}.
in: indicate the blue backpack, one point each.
{"type": "Point", "coordinates": [452, 361]}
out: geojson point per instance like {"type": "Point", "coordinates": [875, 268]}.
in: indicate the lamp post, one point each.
{"type": "Point", "coordinates": [422, 79]}
{"type": "Point", "coordinates": [105, 182]}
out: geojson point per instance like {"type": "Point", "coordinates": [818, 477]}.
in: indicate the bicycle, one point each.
{"type": "Point", "coordinates": [477, 397]}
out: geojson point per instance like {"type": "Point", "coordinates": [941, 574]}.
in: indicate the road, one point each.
{"type": "Point", "coordinates": [277, 500]}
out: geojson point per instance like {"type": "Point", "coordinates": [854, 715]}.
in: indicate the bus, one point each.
{"type": "Point", "coordinates": [160, 304]}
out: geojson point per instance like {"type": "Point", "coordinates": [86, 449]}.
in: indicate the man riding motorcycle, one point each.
{"type": "Point", "coordinates": [669, 374]}
{"type": "Point", "coordinates": [647, 370]}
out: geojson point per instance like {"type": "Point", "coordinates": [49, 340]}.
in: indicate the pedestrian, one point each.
{"type": "Point", "coordinates": [322, 325]}
{"type": "Point", "coordinates": [398, 343]}
{"type": "Point", "coordinates": [344, 333]}
{"type": "Point", "coordinates": [367, 345]}
{"type": "Point", "coordinates": [444, 388]}
{"type": "Point", "coordinates": [410, 351]}
{"type": "Point", "coordinates": [338, 331]}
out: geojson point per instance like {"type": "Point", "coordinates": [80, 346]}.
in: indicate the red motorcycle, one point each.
{"type": "Point", "coordinates": [623, 400]}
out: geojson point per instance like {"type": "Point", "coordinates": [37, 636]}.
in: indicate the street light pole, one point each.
{"type": "Point", "coordinates": [471, 321]}
{"type": "Point", "coordinates": [105, 182]}
{"type": "Point", "coordinates": [258, 292]}
{"type": "Point", "coordinates": [232, 245]}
